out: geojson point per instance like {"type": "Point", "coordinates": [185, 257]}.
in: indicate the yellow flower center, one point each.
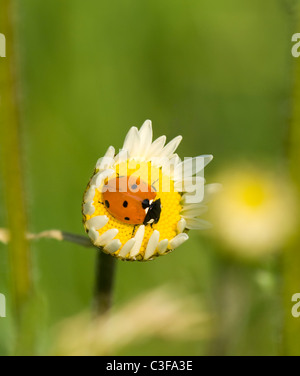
{"type": "Point", "coordinates": [254, 195]}
{"type": "Point", "coordinates": [170, 202]}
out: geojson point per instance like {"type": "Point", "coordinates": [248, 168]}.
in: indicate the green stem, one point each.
{"type": "Point", "coordinates": [13, 173]}
{"type": "Point", "coordinates": [291, 257]}
{"type": "Point", "coordinates": [105, 278]}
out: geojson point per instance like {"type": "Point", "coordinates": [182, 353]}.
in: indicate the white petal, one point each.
{"type": "Point", "coordinates": [163, 246]}
{"type": "Point", "coordinates": [152, 245]}
{"type": "Point", "coordinates": [164, 163]}
{"type": "Point", "coordinates": [197, 224]}
{"type": "Point", "coordinates": [107, 161]}
{"type": "Point", "coordinates": [88, 208]}
{"type": "Point", "coordinates": [170, 148]}
{"type": "Point", "coordinates": [181, 225]}
{"type": "Point", "coordinates": [146, 136]}
{"type": "Point", "coordinates": [113, 246]}
{"type": "Point", "coordinates": [104, 163]}
{"type": "Point", "coordinates": [178, 240]}
{"type": "Point", "coordinates": [127, 248]}
{"type": "Point", "coordinates": [139, 237]}
{"type": "Point", "coordinates": [110, 152]}
{"type": "Point", "coordinates": [192, 166]}
{"type": "Point", "coordinates": [132, 141]}
{"type": "Point", "coordinates": [169, 165]}
{"type": "Point", "coordinates": [174, 162]}
{"type": "Point", "coordinates": [107, 237]}
{"type": "Point", "coordinates": [202, 196]}
{"type": "Point", "coordinates": [193, 206]}
{"type": "Point", "coordinates": [156, 148]}
{"type": "Point", "coordinates": [207, 159]}
{"type": "Point", "coordinates": [122, 156]}
{"type": "Point", "coordinates": [136, 146]}
{"type": "Point", "coordinates": [97, 222]}
{"type": "Point", "coordinates": [189, 184]}
{"type": "Point", "coordinates": [93, 235]}
{"type": "Point", "coordinates": [99, 178]}
{"type": "Point", "coordinates": [90, 194]}
{"type": "Point", "coordinates": [192, 211]}
{"type": "Point", "coordinates": [129, 139]}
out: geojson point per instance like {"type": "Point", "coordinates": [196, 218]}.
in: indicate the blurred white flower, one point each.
{"type": "Point", "coordinates": [255, 213]}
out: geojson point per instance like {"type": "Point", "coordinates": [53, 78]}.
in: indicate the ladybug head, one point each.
{"type": "Point", "coordinates": [153, 214]}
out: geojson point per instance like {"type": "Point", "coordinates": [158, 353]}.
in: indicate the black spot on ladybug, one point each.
{"type": "Point", "coordinates": [125, 204]}
{"type": "Point", "coordinates": [145, 204]}
{"type": "Point", "coordinates": [127, 219]}
{"type": "Point", "coordinates": [107, 204]}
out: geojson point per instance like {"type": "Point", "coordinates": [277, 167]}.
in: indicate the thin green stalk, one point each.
{"type": "Point", "coordinates": [105, 278]}
{"type": "Point", "coordinates": [291, 257]}
{"type": "Point", "coordinates": [12, 171]}
{"type": "Point", "coordinates": [105, 265]}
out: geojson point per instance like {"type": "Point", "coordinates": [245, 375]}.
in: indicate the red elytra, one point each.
{"type": "Point", "coordinates": [128, 200]}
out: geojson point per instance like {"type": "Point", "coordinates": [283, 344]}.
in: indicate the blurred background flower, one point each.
{"type": "Point", "coordinates": [256, 212]}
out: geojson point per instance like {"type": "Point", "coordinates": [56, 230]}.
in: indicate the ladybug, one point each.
{"type": "Point", "coordinates": [131, 203]}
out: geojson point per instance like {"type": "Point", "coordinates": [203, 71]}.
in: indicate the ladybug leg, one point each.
{"type": "Point", "coordinates": [152, 185]}
{"type": "Point", "coordinates": [134, 228]}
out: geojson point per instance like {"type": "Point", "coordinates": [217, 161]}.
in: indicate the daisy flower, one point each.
{"type": "Point", "coordinates": [141, 203]}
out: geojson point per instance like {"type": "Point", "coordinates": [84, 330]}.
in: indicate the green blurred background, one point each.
{"type": "Point", "coordinates": [219, 73]}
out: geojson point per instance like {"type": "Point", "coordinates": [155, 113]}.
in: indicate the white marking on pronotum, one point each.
{"type": "Point", "coordinates": [2, 306]}
{"type": "Point", "coordinates": [2, 45]}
